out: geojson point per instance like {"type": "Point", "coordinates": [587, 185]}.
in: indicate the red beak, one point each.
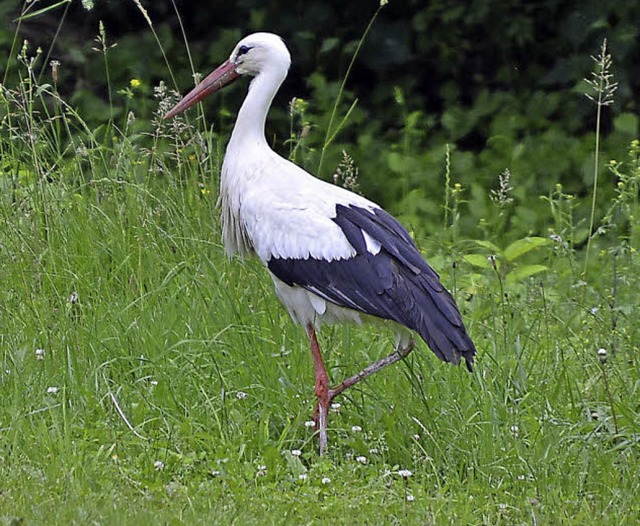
{"type": "Point", "coordinates": [220, 77]}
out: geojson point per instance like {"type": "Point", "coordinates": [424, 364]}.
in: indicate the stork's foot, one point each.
{"type": "Point", "coordinates": [331, 394]}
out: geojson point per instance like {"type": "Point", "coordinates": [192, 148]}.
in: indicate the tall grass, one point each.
{"type": "Point", "coordinates": [145, 378]}
{"type": "Point", "coordinates": [602, 91]}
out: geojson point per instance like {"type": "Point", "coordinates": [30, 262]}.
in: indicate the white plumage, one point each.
{"type": "Point", "coordinates": [334, 256]}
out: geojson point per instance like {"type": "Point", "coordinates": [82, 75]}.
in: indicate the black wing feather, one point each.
{"type": "Point", "coordinates": [395, 284]}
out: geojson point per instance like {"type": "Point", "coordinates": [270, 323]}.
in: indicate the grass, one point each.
{"type": "Point", "coordinates": [147, 379]}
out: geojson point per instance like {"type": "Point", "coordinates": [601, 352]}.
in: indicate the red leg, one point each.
{"type": "Point", "coordinates": [399, 354]}
{"type": "Point", "coordinates": [325, 395]}
{"type": "Point", "coordinates": [322, 389]}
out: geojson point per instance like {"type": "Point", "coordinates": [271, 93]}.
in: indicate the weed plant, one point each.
{"type": "Point", "coordinates": [144, 378]}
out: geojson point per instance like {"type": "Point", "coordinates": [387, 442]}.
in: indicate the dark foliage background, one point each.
{"type": "Point", "coordinates": [501, 83]}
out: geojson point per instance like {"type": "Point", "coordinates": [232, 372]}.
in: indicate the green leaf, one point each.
{"type": "Point", "coordinates": [490, 246]}
{"type": "Point", "coordinates": [41, 11]}
{"type": "Point", "coordinates": [524, 272]}
{"type": "Point", "coordinates": [477, 260]}
{"type": "Point", "coordinates": [329, 44]}
{"type": "Point", "coordinates": [626, 123]}
{"type": "Point", "coordinates": [395, 162]}
{"type": "Point", "coordinates": [522, 246]}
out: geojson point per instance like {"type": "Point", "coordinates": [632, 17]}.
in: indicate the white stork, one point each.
{"type": "Point", "coordinates": [334, 256]}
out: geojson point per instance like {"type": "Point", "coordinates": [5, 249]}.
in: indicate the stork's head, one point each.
{"type": "Point", "coordinates": [255, 54]}
{"type": "Point", "coordinates": [258, 52]}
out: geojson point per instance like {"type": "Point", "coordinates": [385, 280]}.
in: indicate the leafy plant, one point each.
{"type": "Point", "coordinates": [505, 261]}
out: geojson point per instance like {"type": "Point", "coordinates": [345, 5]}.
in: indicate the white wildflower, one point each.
{"type": "Point", "coordinates": [326, 480]}
{"type": "Point", "coordinates": [40, 353]}
{"type": "Point", "coordinates": [241, 395]}
{"type": "Point", "coordinates": [309, 423]}
{"type": "Point", "coordinates": [296, 452]}
{"type": "Point", "coordinates": [404, 473]}
{"type": "Point", "coordinates": [362, 459]}
{"type": "Point", "coordinates": [158, 465]}
{"type": "Point", "coordinates": [52, 390]}
{"type": "Point", "coordinates": [356, 429]}
{"type": "Point", "coordinates": [410, 498]}
{"type": "Point", "coordinates": [303, 476]}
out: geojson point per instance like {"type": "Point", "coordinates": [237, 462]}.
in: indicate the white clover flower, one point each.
{"type": "Point", "coordinates": [335, 407]}
{"type": "Point", "coordinates": [309, 423]}
{"type": "Point", "coordinates": [410, 498]}
{"type": "Point", "coordinates": [303, 476]}
{"type": "Point", "coordinates": [326, 480]}
{"type": "Point", "coordinates": [40, 353]}
{"type": "Point", "coordinates": [404, 473]}
{"type": "Point", "coordinates": [158, 465]}
{"type": "Point", "coordinates": [602, 355]}
{"type": "Point", "coordinates": [241, 395]}
{"type": "Point", "coordinates": [362, 459]}
{"type": "Point", "coordinates": [296, 452]}
{"type": "Point", "coordinates": [52, 390]}
{"type": "Point", "coordinates": [356, 429]}
{"type": "Point", "coordinates": [154, 382]}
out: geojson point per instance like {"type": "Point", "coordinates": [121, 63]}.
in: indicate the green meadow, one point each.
{"type": "Point", "coordinates": [147, 379]}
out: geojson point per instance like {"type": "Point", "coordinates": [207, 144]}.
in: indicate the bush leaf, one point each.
{"type": "Point", "coordinates": [524, 245]}
{"type": "Point", "coordinates": [524, 272]}
{"type": "Point", "coordinates": [477, 260]}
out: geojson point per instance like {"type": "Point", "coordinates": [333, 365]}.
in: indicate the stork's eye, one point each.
{"type": "Point", "coordinates": [242, 50]}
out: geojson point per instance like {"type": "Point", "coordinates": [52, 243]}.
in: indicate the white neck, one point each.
{"type": "Point", "coordinates": [251, 119]}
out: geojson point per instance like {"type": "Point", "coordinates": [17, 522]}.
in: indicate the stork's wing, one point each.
{"type": "Point", "coordinates": [387, 277]}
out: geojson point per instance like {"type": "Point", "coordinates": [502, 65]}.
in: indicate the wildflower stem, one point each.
{"type": "Point", "coordinates": [596, 161]}
{"type": "Point", "coordinates": [603, 89]}
{"type": "Point", "coordinates": [607, 389]}
{"type": "Point", "coordinates": [330, 134]}
{"type": "Point", "coordinates": [447, 186]}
